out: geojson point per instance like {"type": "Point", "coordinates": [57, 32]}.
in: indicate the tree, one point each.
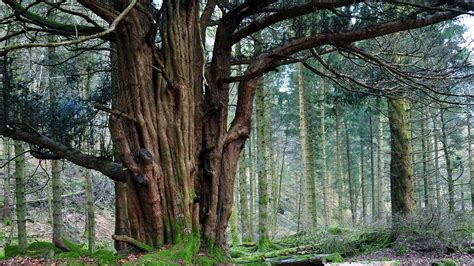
{"type": "Point", "coordinates": [169, 120]}
{"type": "Point", "coordinates": [21, 211]}
{"type": "Point", "coordinates": [307, 150]}
{"type": "Point", "coordinates": [401, 164]}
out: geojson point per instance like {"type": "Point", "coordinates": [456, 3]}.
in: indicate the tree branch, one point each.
{"type": "Point", "coordinates": [107, 167]}
{"type": "Point", "coordinates": [106, 32]}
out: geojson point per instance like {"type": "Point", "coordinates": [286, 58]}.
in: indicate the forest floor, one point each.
{"type": "Point", "coordinates": [447, 241]}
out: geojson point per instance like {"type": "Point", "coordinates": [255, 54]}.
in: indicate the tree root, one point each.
{"type": "Point", "coordinates": [133, 242]}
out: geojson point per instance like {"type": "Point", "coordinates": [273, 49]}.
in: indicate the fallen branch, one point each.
{"type": "Point", "coordinates": [133, 242]}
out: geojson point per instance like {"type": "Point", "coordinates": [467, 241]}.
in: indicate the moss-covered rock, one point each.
{"type": "Point", "coordinates": [41, 250]}
{"type": "Point", "coordinates": [68, 255]}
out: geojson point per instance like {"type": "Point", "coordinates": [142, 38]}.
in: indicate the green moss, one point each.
{"type": "Point", "coordinates": [68, 255]}
{"type": "Point", "coordinates": [179, 253]}
{"type": "Point", "coordinates": [42, 249]}
{"type": "Point", "coordinates": [446, 262]}
{"type": "Point", "coordinates": [238, 252]}
{"type": "Point", "coordinates": [335, 229]}
{"type": "Point", "coordinates": [2, 254]}
{"type": "Point", "coordinates": [335, 258]}
{"type": "Point", "coordinates": [402, 250]}
{"type": "Point", "coordinates": [105, 257]}
{"type": "Point", "coordinates": [76, 247]}
{"type": "Point", "coordinates": [12, 251]}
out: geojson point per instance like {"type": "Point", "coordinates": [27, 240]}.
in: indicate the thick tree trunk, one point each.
{"type": "Point", "coordinates": [173, 140]}
{"type": "Point", "coordinates": [401, 165]}
{"type": "Point", "coordinates": [307, 150]}
{"type": "Point", "coordinates": [20, 194]}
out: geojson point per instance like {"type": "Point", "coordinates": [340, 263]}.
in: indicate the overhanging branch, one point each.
{"type": "Point", "coordinates": [107, 167]}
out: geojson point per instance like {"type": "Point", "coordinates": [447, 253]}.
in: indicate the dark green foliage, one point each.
{"type": "Point", "coordinates": [105, 257]}
{"type": "Point", "coordinates": [11, 251]}
{"type": "Point", "coordinates": [42, 250]}
{"type": "Point", "coordinates": [334, 258]}
{"type": "Point", "coordinates": [335, 230]}
{"type": "Point", "coordinates": [73, 247]}
{"type": "Point", "coordinates": [68, 255]}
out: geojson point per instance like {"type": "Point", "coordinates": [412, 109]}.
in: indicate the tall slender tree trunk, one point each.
{"type": "Point", "coordinates": [362, 181]}
{"type": "Point", "coordinates": [89, 188]}
{"type": "Point", "coordinates": [401, 164]}
{"type": "Point", "coordinates": [307, 150]}
{"type": "Point", "coordinates": [439, 201]}
{"type": "Point", "coordinates": [380, 162]}
{"type": "Point", "coordinates": [372, 169]}
{"type": "Point", "coordinates": [20, 194]}
{"type": "Point", "coordinates": [324, 178]}
{"type": "Point", "coordinates": [339, 177]}
{"type": "Point", "coordinates": [469, 149]}
{"type": "Point", "coordinates": [6, 211]}
{"type": "Point", "coordinates": [447, 157]}
{"type": "Point", "coordinates": [263, 219]}
{"type": "Point", "coordinates": [322, 125]}
{"type": "Point", "coordinates": [252, 186]}
{"type": "Point", "coordinates": [349, 176]}
{"type": "Point", "coordinates": [57, 204]}
{"type": "Point", "coordinates": [424, 153]}
{"type": "Point", "coordinates": [244, 204]}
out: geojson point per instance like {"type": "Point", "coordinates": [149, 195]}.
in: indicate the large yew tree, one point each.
{"type": "Point", "coordinates": [169, 117]}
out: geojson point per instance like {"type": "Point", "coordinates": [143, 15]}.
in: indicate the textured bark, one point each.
{"type": "Point", "coordinates": [380, 163]}
{"type": "Point", "coordinates": [373, 202]}
{"type": "Point", "coordinates": [424, 152]}
{"type": "Point", "coordinates": [447, 158]}
{"type": "Point", "coordinates": [6, 211]}
{"type": "Point", "coordinates": [349, 176]}
{"type": "Point", "coordinates": [401, 164]}
{"type": "Point", "coordinates": [122, 225]}
{"type": "Point", "coordinates": [263, 218]}
{"type": "Point", "coordinates": [20, 194]}
{"type": "Point", "coordinates": [471, 164]}
{"type": "Point", "coordinates": [57, 204]}
{"type": "Point", "coordinates": [363, 181]}
{"type": "Point", "coordinates": [307, 150]}
{"type": "Point", "coordinates": [439, 201]}
{"type": "Point", "coordinates": [324, 177]}
{"type": "Point", "coordinates": [90, 210]}
{"type": "Point", "coordinates": [244, 203]}
{"type": "Point", "coordinates": [339, 176]}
